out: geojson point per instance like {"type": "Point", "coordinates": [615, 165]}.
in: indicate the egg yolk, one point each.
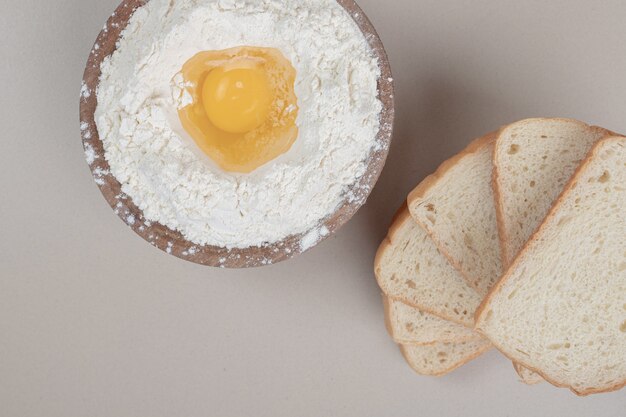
{"type": "Point", "coordinates": [237, 100]}
{"type": "Point", "coordinates": [243, 108]}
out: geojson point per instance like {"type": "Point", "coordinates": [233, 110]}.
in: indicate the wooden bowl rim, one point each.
{"type": "Point", "coordinates": [171, 241]}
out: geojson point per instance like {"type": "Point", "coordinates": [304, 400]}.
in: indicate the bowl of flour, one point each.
{"type": "Point", "coordinates": [162, 188]}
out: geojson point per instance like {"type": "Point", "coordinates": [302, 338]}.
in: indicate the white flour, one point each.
{"type": "Point", "coordinates": [173, 184]}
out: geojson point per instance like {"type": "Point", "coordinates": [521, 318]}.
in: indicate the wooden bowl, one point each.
{"type": "Point", "coordinates": [173, 242]}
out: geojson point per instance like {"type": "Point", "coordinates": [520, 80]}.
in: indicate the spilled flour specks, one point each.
{"type": "Point", "coordinates": [313, 237]}
{"type": "Point", "coordinates": [85, 92]}
{"type": "Point", "coordinates": [90, 154]}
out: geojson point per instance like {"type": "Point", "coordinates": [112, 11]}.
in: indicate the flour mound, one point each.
{"type": "Point", "coordinates": [172, 183]}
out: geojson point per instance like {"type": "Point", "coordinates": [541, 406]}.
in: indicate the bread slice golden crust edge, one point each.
{"type": "Point", "coordinates": [452, 367]}
{"type": "Point", "coordinates": [531, 242]}
{"type": "Point", "coordinates": [519, 369]}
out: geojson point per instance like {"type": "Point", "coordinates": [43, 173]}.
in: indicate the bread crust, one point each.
{"type": "Point", "coordinates": [480, 312]}
{"type": "Point", "coordinates": [520, 372]}
{"type": "Point", "coordinates": [387, 309]}
{"type": "Point", "coordinates": [429, 182]}
{"type": "Point", "coordinates": [447, 370]}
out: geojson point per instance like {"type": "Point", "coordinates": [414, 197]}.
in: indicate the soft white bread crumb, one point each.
{"type": "Point", "coordinates": [442, 358]}
{"type": "Point", "coordinates": [560, 309]}
{"type": "Point", "coordinates": [533, 160]}
{"type": "Point", "coordinates": [409, 268]}
{"type": "Point", "coordinates": [410, 326]}
{"type": "Point", "coordinates": [456, 206]}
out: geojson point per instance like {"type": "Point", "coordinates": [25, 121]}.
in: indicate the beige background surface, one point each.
{"type": "Point", "coordinates": [95, 322]}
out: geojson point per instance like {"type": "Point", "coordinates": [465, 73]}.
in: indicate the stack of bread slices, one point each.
{"type": "Point", "coordinates": [518, 242]}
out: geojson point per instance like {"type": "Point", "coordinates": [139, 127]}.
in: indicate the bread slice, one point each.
{"type": "Point", "coordinates": [456, 206]}
{"type": "Point", "coordinates": [422, 289]}
{"type": "Point", "coordinates": [560, 309]}
{"type": "Point", "coordinates": [409, 268]}
{"type": "Point", "coordinates": [533, 160]}
{"type": "Point", "coordinates": [442, 358]}
{"type": "Point", "coordinates": [410, 326]}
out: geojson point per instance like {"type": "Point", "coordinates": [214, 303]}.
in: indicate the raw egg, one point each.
{"type": "Point", "coordinates": [243, 109]}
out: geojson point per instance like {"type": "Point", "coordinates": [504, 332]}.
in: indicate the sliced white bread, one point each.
{"type": "Point", "coordinates": [560, 309]}
{"type": "Point", "coordinates": [456, 206]}
{"type": "Point", "coordinates": [442, 358]}
{"type": "Point", "coordinates": [410, 326]}
{"type": "Point", "coordinates": [409, 268]}
{"type": "Point", "coordinates": [533, 160]}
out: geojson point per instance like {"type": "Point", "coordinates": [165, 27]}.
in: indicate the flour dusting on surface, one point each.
{"type": "Point", "coordinates": [90, 154]}
{"type": "Point", "coordinates": [313, 237]}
